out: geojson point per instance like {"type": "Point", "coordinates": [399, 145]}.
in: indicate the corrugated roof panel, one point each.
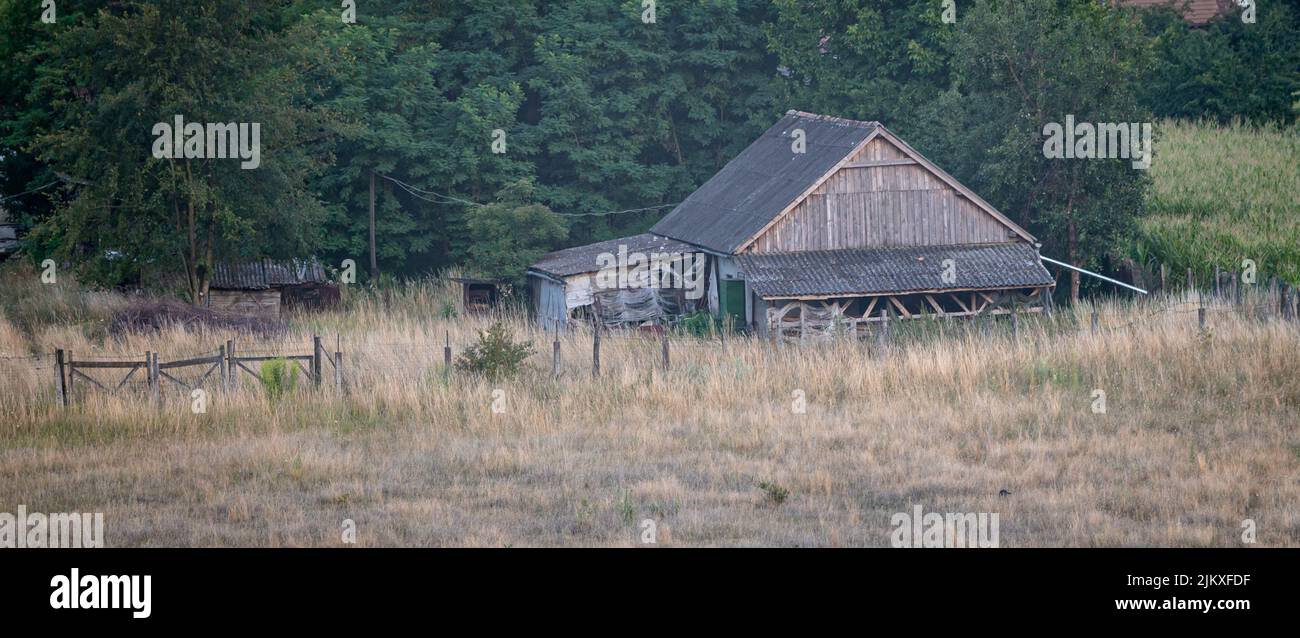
{"type": "Point", "coordinates": [582, 259]}
{"type": "Point", "coordinates": [762, 180]}
{"type": "Point", "coordinates": [865, 271]}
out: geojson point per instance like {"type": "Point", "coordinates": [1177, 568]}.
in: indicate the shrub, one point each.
{"type": "Point", "coordinates": [496, 355]}
{"type": "Point", "coordinates": [775, 493]}
{"type": "Point", "coordinates": [279, 377]}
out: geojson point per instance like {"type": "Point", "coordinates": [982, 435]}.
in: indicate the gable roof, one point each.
{"type": "Point", "coordinates": [266, 273]}
{"type": "Point", "coordinates": [582, 259]}
{"type": "Point", "coordinates": [767, 180]}
{"type": "Point", "coordinates": [755, 186]}
{"type": "Point", "coordinates": [895, 270]}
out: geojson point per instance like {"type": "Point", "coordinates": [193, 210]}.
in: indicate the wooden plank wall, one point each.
{"type": "Point", "coordinates": [263, 302]}
{"type": "Point", "coordinates": [901, 205]}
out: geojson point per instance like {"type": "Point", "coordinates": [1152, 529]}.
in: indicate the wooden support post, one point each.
{"type": "Point", "coordinates": [1200, 314]}
{"type": "Point", "coordinates": [595, 350]}
{"type": "Point", "coordinates": [222, 371]}
{"type": "Point", "coordinates": [883, 335]}
{"type": "Point", "coordinates": [446, 350]}
{"type": "Point", "coordinates": [1191, 283]}
{"type": "Point", "coordinates": [1094, 320]}
{"type": "Point", "coordinates": [72, 368]}
{"type": "Point", "coordinates": [1217, 290]}
{"type": "Point", "coordinates": [1015, 325]}
{"type": "Point", "coordinates": [316, 353]}
{"type": "Point", "coordinates": [665, 348]}
{"type": "Point", "coordinates": [61, 392]}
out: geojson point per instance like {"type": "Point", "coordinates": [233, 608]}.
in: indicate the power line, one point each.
{"type": "Point", "coordinates": [40, 188]}
{"type": "Point", "coordinates": [420, 193]}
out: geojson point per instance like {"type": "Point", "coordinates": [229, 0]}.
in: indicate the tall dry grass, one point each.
{"type": "Point", "coordinates": [1199, 433]}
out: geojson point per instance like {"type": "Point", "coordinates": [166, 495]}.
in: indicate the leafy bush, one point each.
{"type": "Point", "coordinates": [496, 355]}
{"type": "Point", "coordinates": [279, 377]}
{"type": "Point", "coordinates": [775, 493]}
{"type": "Point", "coordinates": [699, 324]}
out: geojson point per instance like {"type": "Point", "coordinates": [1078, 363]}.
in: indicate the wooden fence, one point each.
{"type": "Point", "coordinates": [71, 373]}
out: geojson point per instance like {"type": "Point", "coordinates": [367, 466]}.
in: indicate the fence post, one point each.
{"type": "Point", "coordinates": [1191, 283]}
{"type": "Point", "coordinates": [446, 350]}
{"type": "Point", "coordinates": [221, 370]}
{"type": "Point", "coordinates": [1015, 325]}
{"type": "Point", "coordinates": [72, 374]}
{"type": "Point", "coordinates": [1200, 314]}
{"type": "Point", "coordinates": [232, 364]}
{"type": "Point", "coordinates": [338, 371]}
{"type": "Point", "coordinates": [1217, 292]}
{"type": "Point", "coordinates": [316, 369]}
{"type": "Point", "coordinates": [555, 355]}
{"type": "Point", "coordinates": [59, 390]}
{"type": "Point", "coordinates": [595, 349]}
{"type": "Point", "coordinates": [1094, 320]}
{"type": "Point", "coordinates": [665, 346]}
{"type": "Point", "coordinates": [1236, 288]}
{"type": "Point", "coordinates": [151, 366]}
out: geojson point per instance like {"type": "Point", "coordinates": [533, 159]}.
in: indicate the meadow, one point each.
{"type": "Point", "coordinates": [742, 443]}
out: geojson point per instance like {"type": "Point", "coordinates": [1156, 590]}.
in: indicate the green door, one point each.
{"type": "Point", "coordinates": [732, 301]}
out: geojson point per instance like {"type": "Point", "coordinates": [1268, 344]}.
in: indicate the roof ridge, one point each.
{"type": "Point", "coordinates": [831, 118]}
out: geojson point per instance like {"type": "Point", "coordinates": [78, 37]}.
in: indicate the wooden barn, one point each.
{"type": "Point", "coordinates": [566, 284]}
{"type": "Point", "coordinates": [265, 287]}
{"type": "Point", "coordinates": [828, 223]}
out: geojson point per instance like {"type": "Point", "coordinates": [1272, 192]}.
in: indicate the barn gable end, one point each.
{"type": "Point", "coordinates": [884, 194]}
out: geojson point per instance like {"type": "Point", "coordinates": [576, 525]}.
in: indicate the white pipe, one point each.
{"type": "Point", "coordinates": [1088, 272]}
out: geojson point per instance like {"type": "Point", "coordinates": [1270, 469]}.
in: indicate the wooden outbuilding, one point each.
{"type": "Point", "coordinates": [266, 287]}
{"type": "Point", "coordinates": [826, 223]}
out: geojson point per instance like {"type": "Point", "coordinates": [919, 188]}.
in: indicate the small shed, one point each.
{"type": "Point", "coordinates": [265, 286]}
{"type": "Point", "coordinates": [479, 295]}
{"type": "Point", "coordinates": [565, 283]}
{"type": "Point", "coordinates": [8, 240]}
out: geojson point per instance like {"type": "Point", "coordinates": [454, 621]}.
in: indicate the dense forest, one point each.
{"type": "Point", "coordinates": [502, 129]}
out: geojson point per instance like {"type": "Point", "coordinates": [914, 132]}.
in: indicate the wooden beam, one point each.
{"type": "Point", "coordinates": [902, 310]}
{"type": "Point", "coordinates": [888, 162]}
{"type": "Point", "coordinates": [935, 304]}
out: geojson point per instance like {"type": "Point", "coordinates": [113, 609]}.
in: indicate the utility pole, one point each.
{"type": "Point", "coordinates": [374, 265]}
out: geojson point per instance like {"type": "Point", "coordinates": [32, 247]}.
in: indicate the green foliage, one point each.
{"type": "Point", "coordinates": [1227, 69]}
{"type": "Point", "coordinates": [775, 493]}
{"type": "Point", "coordinates": [495, 355]}
{"type": "Point", "coordinates": [512, 234]}
{"type": "Point", "coordinates": [279, 377]}
{"type": "Point", "coordinates": [699, 324]}
{"type": "Point", "coordinates": [1020, 65]}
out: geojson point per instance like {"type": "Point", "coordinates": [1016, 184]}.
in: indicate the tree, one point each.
{"type": "Point", "coordinates": [1023, 64]}
{"type": "Point", "coordinates": [110, 80]}
{"type": "Point", "coordinates": [512, 233]}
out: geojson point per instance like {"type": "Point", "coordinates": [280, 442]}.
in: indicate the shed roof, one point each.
{"type": "Point", "coordinates": [866, 271]}
{"type": "Point", "coordinates": [582, 259]}
{"type": "Point", "coordinates": [266, 273]}
{"type": "Point", "coordinates": [756, 185]}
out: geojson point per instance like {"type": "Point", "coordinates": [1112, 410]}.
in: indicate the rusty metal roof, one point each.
{"type": "Point", "coordinates": [266, 273]}
{"type": "Point", "coordinates": [868, 271]}
{"type": "Point", "coordinates": [1193, 11]}
{"type": "Point", "coordinates": [762, 180]}
{"type": "Point", "coordinates": [582, 259]}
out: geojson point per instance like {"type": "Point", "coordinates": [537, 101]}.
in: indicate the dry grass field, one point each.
{"type": "Point", "coordinates": [1200, 431]}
